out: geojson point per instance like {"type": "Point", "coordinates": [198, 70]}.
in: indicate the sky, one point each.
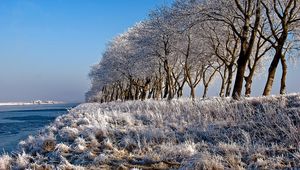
{"type": "Point", "coordinates": [48, 46]}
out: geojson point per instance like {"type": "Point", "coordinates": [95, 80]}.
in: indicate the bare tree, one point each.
{"type": "Point", "coordinates": [225, 46]}
{"type": "Point", "coordinates": [283, 17]}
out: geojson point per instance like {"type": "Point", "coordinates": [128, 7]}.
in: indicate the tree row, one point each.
{"type": "Point", "coordinates": [193, 43]}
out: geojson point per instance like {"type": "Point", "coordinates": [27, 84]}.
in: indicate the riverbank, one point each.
{"type": "Point", "coordinates": [216, 133]}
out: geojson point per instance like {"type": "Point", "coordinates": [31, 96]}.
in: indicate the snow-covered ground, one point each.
{"type": "Point", "coordinates": [256, 133]}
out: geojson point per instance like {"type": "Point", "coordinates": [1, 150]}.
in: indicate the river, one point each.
{"type": "Point", "coordinates": [18, 122]}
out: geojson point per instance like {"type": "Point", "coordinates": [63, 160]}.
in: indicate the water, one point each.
{"type": "Point", "coordinates": [17, 122]}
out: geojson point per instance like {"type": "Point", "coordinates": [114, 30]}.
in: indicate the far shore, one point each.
{"type": "Point", "coordinates": [36, 102]}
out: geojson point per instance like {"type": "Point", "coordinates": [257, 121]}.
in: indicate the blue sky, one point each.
{"type": "Point", "coordinates": [48, 46]}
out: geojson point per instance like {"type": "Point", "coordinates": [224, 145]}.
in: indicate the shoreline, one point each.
{"type": "Point", "coordinates": [30, 103]}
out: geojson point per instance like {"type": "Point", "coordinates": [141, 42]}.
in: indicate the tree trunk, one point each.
{"type": "Point", "coordinates": [246, 50]}
{"type": "Point", "coordinates": [271, 74]}
{"type": "Point", "coordinates": [121, 92]}
{"type": "Point", "coordinates": [248, 85]}
{"type": "Point", "coordinates": [224, 77]}
{"type": "Point", "coordinates": [117, 93]}
{"type": "Point", "coordinates": [136, 93]}
{"type": "Point", "coordinates": [105, 93]}
{"type": "Point", "coordinates": [222, 89]}
{"type": "Point", "coordinates": [192, 92]}
{"type": "Point", "coordinates": [129, 91]}
{"type": "Point", "coordinates": [168, 85]}
{"type": "Point", "coordinates": [205, 91]}
{"type": "Point", "coordinates": [229, 80]}
{"type": "Point", "coordinates": [279, 54]}
{"type": "Point", "coordinates": [249, 79]}
{"type": "Point", "coordinates": [145, 89]}
{"type": "Point", "coordinates": [103, 98]}
{"type": "Point", "coordinates": [112, 93]}
{"type": "Point", "coordinates": [171, 89]}
{"type": "Point", "coordinates": [151, 92]}
{"type": "Point", "coordinates": [166, 89]}
{"type": "Point", "coordinates": [283, 76]}
{"type": "Point", "coordinates": [179, 92]}
{"type": "Point", "coordinates": [158, 89]}
{"type": "Point", "coordinates": [238, 85]}
{"type": "Point", "coordinates": [157, 86]}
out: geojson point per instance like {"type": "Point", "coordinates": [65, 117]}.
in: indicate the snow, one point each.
{"type": "Point", "coordinates": [5, 161]}
{"type": "Point", "coordinates": [216, 133]}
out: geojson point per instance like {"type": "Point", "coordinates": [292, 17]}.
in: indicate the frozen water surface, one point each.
{"type": "Point", "coordinates": [17, 122]}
